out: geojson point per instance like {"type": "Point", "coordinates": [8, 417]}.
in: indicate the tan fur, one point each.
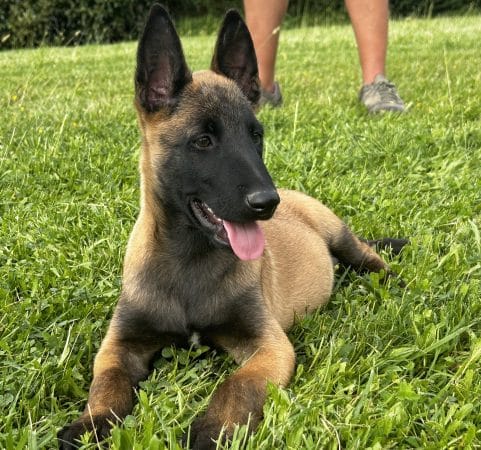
{"type": "Point", "coordinates": [297, 269]}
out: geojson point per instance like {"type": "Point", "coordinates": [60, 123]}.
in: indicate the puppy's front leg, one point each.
{"type": "Point", "coordinates": [118, 367]}
{"type": "Point", "coordinates": [240, 399]}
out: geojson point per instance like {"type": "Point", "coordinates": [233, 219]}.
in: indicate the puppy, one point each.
{"type": "Point", "coordinates": [216, 250]}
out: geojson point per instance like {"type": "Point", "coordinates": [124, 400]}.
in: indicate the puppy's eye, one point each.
{"type": "Point", "coordinates": [257, 138]}
{"type": "Point", "coordinates": [203, 142]}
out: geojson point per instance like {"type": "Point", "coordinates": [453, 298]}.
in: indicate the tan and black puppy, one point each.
{"type": "Point", "coordinates": [216, 249]}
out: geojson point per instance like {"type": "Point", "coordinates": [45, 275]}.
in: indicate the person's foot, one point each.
{"type": "Point", "coordinates": [273, 98]}
{"type": "Point", "coordinates": [381, 95]}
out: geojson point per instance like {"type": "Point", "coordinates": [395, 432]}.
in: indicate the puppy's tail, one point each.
{"type": "Point", "coordinates": [392, 245]}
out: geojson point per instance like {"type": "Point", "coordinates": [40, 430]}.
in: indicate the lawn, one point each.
{"type": "Point", "coordinates": [380, 367]}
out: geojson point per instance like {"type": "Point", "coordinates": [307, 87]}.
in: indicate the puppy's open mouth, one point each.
{"type": "Point", "coordinates": [209, 220]}
{"type": "Point", "coordinates": [245, 239]}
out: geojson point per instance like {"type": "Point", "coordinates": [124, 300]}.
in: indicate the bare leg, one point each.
{"type": "Point", "coordinates": [369, 20]}
{"type": "Point", "coordinates": [264, 18]}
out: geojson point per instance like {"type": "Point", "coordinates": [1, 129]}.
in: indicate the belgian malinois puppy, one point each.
{"type": "Point", "coordinates": [217, 250]}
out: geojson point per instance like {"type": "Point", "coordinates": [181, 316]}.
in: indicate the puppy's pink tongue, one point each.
{"type": "Point", "coordinates": [246, 239]}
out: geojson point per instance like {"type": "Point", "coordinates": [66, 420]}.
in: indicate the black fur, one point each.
{"type": "Point", "coordinates": [181, 305]}
{"type": "Point", "coordinates": [390, 244]}
{"type": "Point", "coordinates": [161, 68]}
{"type": "Point", "coordinates": [234, 56]}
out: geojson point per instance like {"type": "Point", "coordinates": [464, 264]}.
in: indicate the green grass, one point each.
{"type": "Point", "coordinates": [380, 367]}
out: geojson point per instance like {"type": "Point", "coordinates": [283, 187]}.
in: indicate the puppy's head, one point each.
{"type": "Point", "coordinates": [202, 153]}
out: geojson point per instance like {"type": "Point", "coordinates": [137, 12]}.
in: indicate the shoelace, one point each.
{"type": "Point", "coordinates": [386, 90]}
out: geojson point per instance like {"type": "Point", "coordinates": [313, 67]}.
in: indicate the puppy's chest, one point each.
{"type": "Point", "coordinates": [182, 305]}
{"type": "Point", "coordinates": [211, 293]}
{"type": "Point", "coordinates": [223, 311]}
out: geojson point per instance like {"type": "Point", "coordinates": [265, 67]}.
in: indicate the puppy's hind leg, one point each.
{"type": "Point", "coordinates": [352, 251]}
{"type": "Point", "coordinates": [360, 254]}
{"type": "Point", "coordinates": [345, 246]}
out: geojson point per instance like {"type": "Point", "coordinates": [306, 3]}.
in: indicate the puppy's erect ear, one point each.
{"type": "Point", "coordinates": [235, 57]}
{"type": "Point", "coordinates": [161, 68]}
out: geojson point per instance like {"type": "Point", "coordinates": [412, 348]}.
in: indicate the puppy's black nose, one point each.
{"type": "Point", "coordinates": [263, 203]}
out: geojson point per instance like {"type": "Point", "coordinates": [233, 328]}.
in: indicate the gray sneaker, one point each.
{"type": "Point", "coordinates": [381, 95]}
{"type": "Point", "coordinates": [273, 99]}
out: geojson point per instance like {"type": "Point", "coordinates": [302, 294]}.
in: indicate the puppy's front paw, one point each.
{"type": "Point", "coordinates": [69, 435]}
{"type": "Point", "coordinates": [204, 434]}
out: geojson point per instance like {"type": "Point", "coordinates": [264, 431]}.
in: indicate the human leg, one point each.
{"type": "Point", "coordinates": [370, 22]}
{"type": "Point", "coordinates": [264, 19]}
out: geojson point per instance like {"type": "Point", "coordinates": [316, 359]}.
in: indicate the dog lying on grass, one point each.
{"type": "Point", "coordinates": [216, 250]}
